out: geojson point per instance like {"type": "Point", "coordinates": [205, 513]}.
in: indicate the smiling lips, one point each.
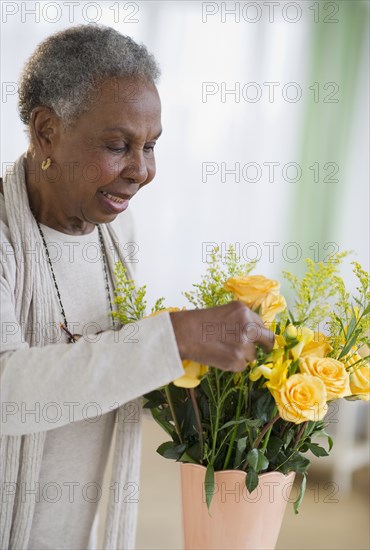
{"type": "Point", "coordinates": [114, 204]}
{"type": "Point", "coordinates": [114, 198]}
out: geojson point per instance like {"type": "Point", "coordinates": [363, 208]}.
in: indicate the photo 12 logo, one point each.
{"type": "Point", "coordinates": [271, 171]}
{"type": "Point", "coordinates": [269, 92]}
{"type": "Point", "coordinates": [69, 12]}
{"type": "Point", "coordinates": [272, 251]}
{"type": "Point", "coordinates": [271, 12]}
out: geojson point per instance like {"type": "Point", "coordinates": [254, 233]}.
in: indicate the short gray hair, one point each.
{"type": "Point", "coordinates": [67, 67]}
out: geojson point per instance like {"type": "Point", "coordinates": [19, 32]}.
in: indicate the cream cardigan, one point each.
{"type": "Point", "coordinates": [117, 371]}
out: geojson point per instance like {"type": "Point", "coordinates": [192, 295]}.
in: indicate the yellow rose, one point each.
{"type": "Point", "coordinates": [256, 291]}
{"type": "Point", "coordinates": [301, 398]}
{"type": "Point", "coordinates": [253, 288]}
{"type": "Point", "coordinates": [331, 372]}
{"type": "Point", "coordinates": [193, 374]}
{"type": "Point", "coordinates": [319, 346]}
{"type": "Point", "coordinates": [359, 380]}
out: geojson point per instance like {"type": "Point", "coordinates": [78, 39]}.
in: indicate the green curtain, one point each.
{"type": "Point", "coordinates": [336, 56]}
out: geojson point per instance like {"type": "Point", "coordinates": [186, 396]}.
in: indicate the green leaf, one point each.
{"type": "Point", "coordinates": [192, 454]}
{"type": "Point", "coordinates": [317, 450]}
{"type": "Point", "coordinates": [241, 445]}
{"type": "Point", "coordinates": [288, 437]}
{"type": "Point", "coordinates": [209, 484]}
{"type": "Point", "coordinates": [252, 458]}
{"type": "Point", "coordinates": [251, 480]}
{"type": "Point", "coordinates": [162, 448]}
{"type": "Point", "coordinates": [263, 407]}
{"type": "Point", "coordinates": [330, 441]}
{"type": "Point", "coordinates": [352, 324]}
{"type": "Point", "coordinates": [274, 446]}
{"type": "Point", "coordinates": [252, 423]}
{"type": "Point", "coordinates": [161, 418]}
{"type": "Point", "coordinates": [298, 502]}
{"type": "Point", "coordinates": [257, 460]}
{"type": "Point", "coordinates": [298, 463]}
{"type": "Point", "coordinates": [186, 418]}
{"type": "Point", "coordinates": [154, 399]}
{"type": "Point", "coordinates": [187, 458]}
{"type": "Point", "coordinates": [350, 343]}
{"type": "Point", "coordinates": [169, 449]}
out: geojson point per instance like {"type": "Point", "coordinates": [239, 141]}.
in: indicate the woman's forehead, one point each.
{"type": "Point", "coordinates": [127, 90]}
{"type": "Point", "coordinates": [126, 106]}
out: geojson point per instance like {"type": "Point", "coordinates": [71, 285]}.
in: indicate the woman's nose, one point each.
{"type": "Point", "coordinates": [136, 169]}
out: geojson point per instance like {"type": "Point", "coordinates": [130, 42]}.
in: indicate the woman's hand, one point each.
{"type": "Point", "coordinates": [224, 337]}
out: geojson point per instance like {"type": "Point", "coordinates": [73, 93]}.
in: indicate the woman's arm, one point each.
{"type": "Point", "coordinates": [48, 387]}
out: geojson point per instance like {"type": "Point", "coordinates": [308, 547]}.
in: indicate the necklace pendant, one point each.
{"type": "Point", "coordinates": [72, 338]}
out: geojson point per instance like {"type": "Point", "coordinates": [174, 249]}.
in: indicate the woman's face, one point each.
{"type": "Point", "coordinates": [108, 155]}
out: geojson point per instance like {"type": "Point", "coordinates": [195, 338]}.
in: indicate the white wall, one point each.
{"type": "Point", "coordinates": [178, 211]}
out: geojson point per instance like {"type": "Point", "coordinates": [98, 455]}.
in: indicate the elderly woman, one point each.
{"type": "Point", "coordinates": [89, 101]}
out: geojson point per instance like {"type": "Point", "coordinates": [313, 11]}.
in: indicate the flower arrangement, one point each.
{"type": "Point", "coordinates": [267, 417]}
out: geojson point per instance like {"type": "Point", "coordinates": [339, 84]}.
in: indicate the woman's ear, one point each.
{"type": "Point", "coordinates": [44, 129]}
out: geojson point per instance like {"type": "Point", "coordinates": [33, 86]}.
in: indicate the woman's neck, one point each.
{"type": "Point", "coordinates": [45, 207]}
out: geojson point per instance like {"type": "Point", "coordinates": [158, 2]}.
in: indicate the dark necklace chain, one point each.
{"type": "Point", "coordinates": [75, 337]}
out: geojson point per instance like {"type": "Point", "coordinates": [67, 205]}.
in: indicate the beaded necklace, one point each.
{"type": "Point", "coordinates": [72, 338]}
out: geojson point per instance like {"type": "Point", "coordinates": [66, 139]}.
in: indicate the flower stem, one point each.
{"type": "Point", "coordinates": [299, 435]}
{"type": "Point", "coordinates": [235, 430]}
{"type": "Point", "coordinates": [267, 436]}
{"type": "Point", "coordinates": [198, 419]}
{"type": "Point", "coordinates": [172, 409]}
{"type": "Point", "coordinates": [217, 421]}
{"type": "Point", "coordinates": [264, 430]}
{"type": "Point", "coordinates": [249, 410]}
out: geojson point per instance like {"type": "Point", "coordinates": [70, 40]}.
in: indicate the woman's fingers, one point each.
{"type": "Point", "coordinates": [224, 336]}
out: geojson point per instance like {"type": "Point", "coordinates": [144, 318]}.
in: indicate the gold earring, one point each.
{"type": "Point", "coordinates": [46, 164]}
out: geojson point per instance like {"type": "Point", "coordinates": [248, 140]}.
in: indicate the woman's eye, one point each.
{"type": "Point", "coordinates": [117, 149]}
{"type": "Point", "coordinates": [149, 147]}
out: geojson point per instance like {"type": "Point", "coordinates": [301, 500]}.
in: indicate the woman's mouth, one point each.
{"type": "Point", "coordinates": [113, 197]}
{"type": "Point", "coordinates": [113, 203]}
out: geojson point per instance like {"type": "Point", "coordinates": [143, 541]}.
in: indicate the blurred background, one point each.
{"type": "Point", "coordinates": [265, 146]}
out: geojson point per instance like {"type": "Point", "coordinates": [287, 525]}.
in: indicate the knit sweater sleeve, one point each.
{"type": "Point", "coordinates": [43, 388]}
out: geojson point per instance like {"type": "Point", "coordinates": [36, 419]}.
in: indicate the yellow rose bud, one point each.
{"type": "Point", "coordinates": [359, 380]}
{"type": "Point", "coordinates": [331, 372]}
{"type": "Point", "coordinates": [258, 293]}
{"type": "Point", "coordinates": [301, 398]}
{"type": "Point", "coordinates": [193, 374]}
{"type": "Point", "coordinates": [291, 332]}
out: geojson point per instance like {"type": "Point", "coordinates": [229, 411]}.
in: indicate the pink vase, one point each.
{"type": "Point", "coordinates": [237, 519]}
